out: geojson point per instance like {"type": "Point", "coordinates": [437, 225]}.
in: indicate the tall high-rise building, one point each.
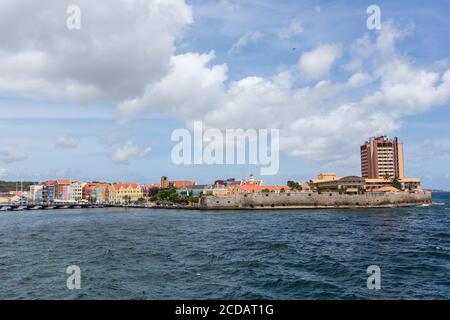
{"type": "Point", "coordinates": [382, 157]}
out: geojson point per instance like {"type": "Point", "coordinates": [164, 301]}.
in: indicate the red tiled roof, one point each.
{"type": "Point", "coordinates": [62, 182]}
{"type": "Point", "coordinates": [181, 183]}
{"type": "Point", "coordinates": [125, 185]}
{"type": "Point", "coordinates": [92, 186]}
{"type": "Point", "coordinates": [151, 186]}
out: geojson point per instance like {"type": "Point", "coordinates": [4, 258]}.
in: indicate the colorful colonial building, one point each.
{"type": "Point", "coordinates": [120, 193]}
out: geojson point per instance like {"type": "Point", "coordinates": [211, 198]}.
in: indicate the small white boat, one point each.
{"type": "Point", "coordinates": [36, 208]}
{"type": "Point", "coordinates": [20, 208]}
{"type": "Point", "coordinates": [6, 208]}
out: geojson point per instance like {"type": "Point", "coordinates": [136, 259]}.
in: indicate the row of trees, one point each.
{"type": "Point", "coordinates": [6, 186]}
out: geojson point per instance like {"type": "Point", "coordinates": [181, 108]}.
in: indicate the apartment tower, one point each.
{"type": "Point", "coordinates": [380, 157]}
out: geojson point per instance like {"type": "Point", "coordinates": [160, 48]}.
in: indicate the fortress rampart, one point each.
{"type": "Point", "coordinates": [308, 200]}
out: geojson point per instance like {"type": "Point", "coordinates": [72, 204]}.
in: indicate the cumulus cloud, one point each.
{"type": "Point", "coordinates": [324, 121]}
{"type": "Point", "coordinates": [11, 155]}
{"type": "Point", "coordinates": [66, 142]}
{"type": "Point", "coordinates": [190, 88]}
{"type": "Point", "coordinates": [125, 53]}
{"type": "Point", "coordinates": [130, 150]}
{"type": "Point", "coordinates": [359, 79]}
{"type": "Point", "coordinates": [317, 63]}
{"type": "Point", "coordinates": [245, 40]}
{"type": "Point", "coordinates": [122, 46]}
{"type": "Point", "coordinates": [295, 28]}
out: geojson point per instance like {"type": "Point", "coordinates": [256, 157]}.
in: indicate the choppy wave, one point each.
{"type": "Point", "coordinates": [157, 254]}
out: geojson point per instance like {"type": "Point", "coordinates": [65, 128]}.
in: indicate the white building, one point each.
{"type": "Point", "coordinates": [76, 191]}
{"type": "Point", "coordinates": [35, 194]}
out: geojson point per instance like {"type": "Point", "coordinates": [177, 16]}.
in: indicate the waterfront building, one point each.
{"type": "Point", "coordinates": [49, 191]}
{"type": "Point", "coordinates": [76, 192]}
{"type": "Point", "coordinates": [342, 185]}
{"type": "Point", "coordinates": [181, 184]}
{"type": "Point", "coordinates": [97, 193]}
{"type": "Point", "coordinates": [252, 181]}
{"type": "Point", "coordinates": [62, 190]}
{"type": "Point", "coordinates": [35, 195]}
{"type": "Point", "coordinates": [10, 197]}
{"type": "Point", "coordinates": [406, 184]}
{"type": "Point", "coordinates": [164, 182]}
{"type": "Point", "coordinates": [257, 189]}
{"type": "Point", "coordinates": [120, 193]}
{"type": "Point", "coordinates": [382, 157]}
{"type": "Point", "coordinates": [193, 191]}
{"type": "Point", "coordinates": [227, 183]}
{"type": "Point", "coordinates": [351, 184]}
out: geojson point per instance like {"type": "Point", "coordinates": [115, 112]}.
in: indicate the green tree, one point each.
{"type": "Point", "coordinates": [294, 185]}
{"type": "Point", "coordinates": [396, 183]}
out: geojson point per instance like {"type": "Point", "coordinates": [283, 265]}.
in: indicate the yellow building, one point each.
{"type": "Point", "coordinates": [165, 184]}
{"type": "Point", "coordinates": [120, 193]}
{"type": "Point", "coordinates": [409, 184]}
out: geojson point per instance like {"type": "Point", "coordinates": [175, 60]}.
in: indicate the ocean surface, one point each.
{"type": "Point", "coordinates": [158, 254]}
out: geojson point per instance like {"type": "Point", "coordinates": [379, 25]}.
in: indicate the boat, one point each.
{"type": "Point", "coordinates": [5, 208]}
{"type": "Point", "coordinates": [20, 208]}
{"type": "Point", "coordinates": [36, 208]}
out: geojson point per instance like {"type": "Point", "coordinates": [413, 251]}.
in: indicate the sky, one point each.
{"type": "Point", "coordinates": [101, 102]}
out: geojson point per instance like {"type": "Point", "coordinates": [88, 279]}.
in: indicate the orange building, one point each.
{"type": "Point", "coordinates": [181, 184]}
{"type": "Point", "coordinates": [62, 190]}
{"type": "Point", "coordinates": [256, 189]}
{"type": "Point", "coordinates": [125, 192]}
{"type": "Point", "coordinates": [96, 192]}
{"type": "Point", "coordinates": [381, 157]}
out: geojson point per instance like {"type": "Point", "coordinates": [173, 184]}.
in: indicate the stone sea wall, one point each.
{"type": "Point", "coordinates": [306, 200]}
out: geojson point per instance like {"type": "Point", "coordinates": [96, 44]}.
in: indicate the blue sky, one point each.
{"type": "Point", "coordinates": [66, 111]}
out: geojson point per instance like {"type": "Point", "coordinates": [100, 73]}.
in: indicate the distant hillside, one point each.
{"type": "Point", "coordinates": [11, 185]}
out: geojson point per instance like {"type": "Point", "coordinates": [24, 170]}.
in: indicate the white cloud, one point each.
{"type": "Point", "coordinates": [359, 79]}
{"type": "Point", "coordinates": [126, 153]}
{"type": "Point", "coordinates": [190, 88]}
{"type": "Point", "coordinates": [11, 155]}
{"type": "Point", "coordinates": [129, 59]}
{"type": "Point", "coordinates": [317, 63]}
{"type": "Point", "coordinates": [122, 46]}
{"type": "Point", "coordinates": [245, 40]}
{"type": "Point", "coordinates": [295, 28]}
{"type": "Point", "coordinates": [323, 122]}
{"type": "Point", "coordinates": [66, 142]}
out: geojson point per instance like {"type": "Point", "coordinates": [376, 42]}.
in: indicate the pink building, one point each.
{"type": "Point", "coordinates": [62, 190]}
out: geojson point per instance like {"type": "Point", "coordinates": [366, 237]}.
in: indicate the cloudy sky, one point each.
{"type": "Point", "coordinates": [101, 103]}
